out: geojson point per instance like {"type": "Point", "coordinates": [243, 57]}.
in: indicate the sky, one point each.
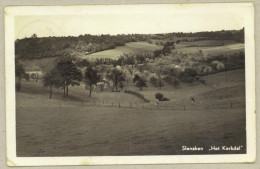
{"type": "Point", "coordinates": [125, 23]}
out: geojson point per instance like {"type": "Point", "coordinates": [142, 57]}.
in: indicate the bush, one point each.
{"type": "Point", "coordinates": [137, 94]}
{"type": "Point", "coordinates": [141, 83]}
{"type": "Point", "coordinates": [164, 99]}
{"type": "Point", "coordinates": [159, 96]}
{"type": "Point", "coordinates": [217, 65]}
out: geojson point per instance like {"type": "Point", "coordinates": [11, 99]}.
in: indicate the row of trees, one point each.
{"type": "Point", "coordinates": [66, 74]}
{"type": "Point", "coordinates": [19, 75]}
{"type": "Point", "coordinates": [237, 35]}
{"type": "Point", "coordinates": [35, 47]}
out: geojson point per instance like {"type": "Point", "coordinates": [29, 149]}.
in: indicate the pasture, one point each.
{"type": "Point", "coordinates": [132, 47]}
{"type": "Point", "coordinates": [91, 131]}
{"type": "Point", "coordinates": [213, 50]}
{"type": "Point", "coordinates": [66, 127]}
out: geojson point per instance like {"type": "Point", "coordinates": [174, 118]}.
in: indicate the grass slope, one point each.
{"type": "Point", "coordinates": [214, 50]}
{"type": "Point", "coordinates": [46, 129]}
{"type": "Point", "coordinates": [132, 47]}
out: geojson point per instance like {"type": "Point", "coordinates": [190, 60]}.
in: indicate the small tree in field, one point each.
{"type": "Point", "coordinates": [159, 96]}
{"type": "Point", "coordinates": [154, 81]}
{"type": "Point", "coordinates": [19, 75]}
{"type": "Point", "coordinates": [69, 74]}
{"type": "Point", "coordinates": [51, 80]}
{"type": "Point", "coordinates": [121, 85]}
{"type": "Point", "coordinates": [91, 78]}
{"type": "Point", "coordinates": [116, 76]}
{"type": "Point", "coordinates": [141, 83]}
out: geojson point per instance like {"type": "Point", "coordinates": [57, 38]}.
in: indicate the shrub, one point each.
{"type": "Point", "coordinates": [141, 83]}
{"type": "Point", "coordinates": [159, 96]}
{"type": "Point", "coordinates": [217, 65]}
{"type": "Point", "coordinates": [164, 99]}
{"type": "Point", "coordinates": [137, 94]}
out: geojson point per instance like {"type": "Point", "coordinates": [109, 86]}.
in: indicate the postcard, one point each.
{"type": "Point", "coordinates": [130, 84]}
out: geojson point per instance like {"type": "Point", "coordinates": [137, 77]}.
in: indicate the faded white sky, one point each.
{"type": "Point", "coordinates": [133, 21]}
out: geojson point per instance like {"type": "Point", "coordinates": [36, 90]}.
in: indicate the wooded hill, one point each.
{"type": "Point", "coordinates": [43, 47]}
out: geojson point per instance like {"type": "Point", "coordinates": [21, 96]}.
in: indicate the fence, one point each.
{"type": "Point", "coordinates": [174, 106]}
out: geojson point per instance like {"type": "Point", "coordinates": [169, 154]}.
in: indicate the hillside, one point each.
{"type": "Point", "coordinates": [95, 127]}
{"type": "Point", "coordinates": [221, 87]}
{"type": "Point", "coordinates": [35, 47]}
{"type": "Point", "coordinates": [132, 47]}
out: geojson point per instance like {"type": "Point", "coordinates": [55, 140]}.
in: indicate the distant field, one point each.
{"type": "Point", "coordinates": [217, 50]}
{"type": "Point", "coordinates": [132, 47]}
{"type": "Point", "coordinates": [38, 64]}
{"type": "Point", "coordinates": [208, 43]}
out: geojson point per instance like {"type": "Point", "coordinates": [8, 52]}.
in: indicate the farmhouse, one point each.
{"type": "Point", "coordinates": [35, 74]}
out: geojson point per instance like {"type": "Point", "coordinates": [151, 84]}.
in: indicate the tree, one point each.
{"type": "Point", "coordinates": [121, 85]}
{"type": "Point", "coordinates": [19, 75]}
{"type": "Point", "coordinates": [116, 76]}
{"type": "Point", "coordinates": [51, 80]}
{"type": "Point", "coordinates": [34, 36]}
{"type": "Point", "coordinates": [141, 83]}
{"type": "Point", "coordinates": [172, 80]}
{"type": "Point", "coordinates": [91, 78]}
{"type": "Point", "coordinates": [166, 50]}
{"type": "Point", "coordinates": [136, 78]}
{"type": "Point", "coordinates": [69, 74]}
{"type": "Point", "coordinates": [156, 82]}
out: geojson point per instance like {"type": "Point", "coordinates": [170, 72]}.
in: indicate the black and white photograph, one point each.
{"type": "Point", "coordinates": [134, 81]}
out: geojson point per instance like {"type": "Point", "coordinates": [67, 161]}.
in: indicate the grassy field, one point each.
{"type": "Point", "coordinates": [42, 64]}
{"type": "Point", "coordinates": [45, 64]}
{"type": "Point", "coordinates": [214, 50]}
{"type": "Point", "coordinates": [76, 127]}
{"type": "Point", "coordinates": [46, 131]}
{"type": "Point", "coordinates": [132, 47]}
{"type": "Point", "coordinates": [222, 82]}
{"type": "Point", "coordinates": [208, 43]}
